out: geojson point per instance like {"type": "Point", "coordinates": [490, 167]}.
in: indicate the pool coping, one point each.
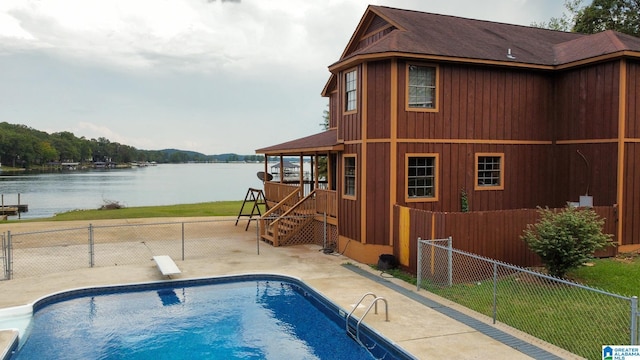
{"type": "Point", "coordinates": [520, 345]}
{"type": "Point", "coordinates": [68, 294]}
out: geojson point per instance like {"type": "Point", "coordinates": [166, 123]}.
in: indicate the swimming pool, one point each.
{"type": "Point", "coordinates": [236, 317]}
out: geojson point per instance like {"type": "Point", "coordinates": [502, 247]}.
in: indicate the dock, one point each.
{"type": "Point", "coordinates": [13, 209]}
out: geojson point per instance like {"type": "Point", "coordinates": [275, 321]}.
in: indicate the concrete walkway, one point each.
{"type": "Point", "coordinates": [424, 325]}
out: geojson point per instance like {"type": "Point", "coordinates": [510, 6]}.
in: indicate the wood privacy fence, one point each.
{"type": "Point", "coordinates": [492, 234]}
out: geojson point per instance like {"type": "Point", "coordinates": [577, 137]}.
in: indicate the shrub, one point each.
{"type": "Point", "coordinates": [566, 239]}
{"type": "Point", "coordinates": [111, 205]}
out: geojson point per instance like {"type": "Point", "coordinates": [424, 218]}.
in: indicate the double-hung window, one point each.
{"type": "Point", "coordinates": [350, 90]}
{"type": "Point", "coordinates": [489, 171]}
{"type": "Point", "coordinates": [350, 176]}
{"type": "Point", "coordinates": [422, 177]}
{"type": "Point", "coordinates": [421, 90]}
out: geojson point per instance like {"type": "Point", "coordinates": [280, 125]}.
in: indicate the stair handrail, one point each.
{"type": "Point", "coordinates": [274, 224]}
{"type": "Point", "coordinates": [283, 202]}
{"type": "Point", "coordinates": [298, 204]}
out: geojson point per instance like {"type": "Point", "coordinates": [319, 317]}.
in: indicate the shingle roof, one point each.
{"type": "Point", "coordinates": [324, 141]}
{"type": "Point", "coordinates": [606, 42]}
{"type": "Point", "coordinates": [422, 33]}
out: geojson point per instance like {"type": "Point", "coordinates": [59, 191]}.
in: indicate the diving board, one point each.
{"type": "Point", "coordinates": [166, 265]}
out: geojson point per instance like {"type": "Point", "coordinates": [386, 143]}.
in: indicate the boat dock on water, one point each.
{"type": "Point", "coordinates": [12, 210]}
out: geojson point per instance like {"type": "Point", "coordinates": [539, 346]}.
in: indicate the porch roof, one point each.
{"type": "Point", "coordinates": [326, 141]}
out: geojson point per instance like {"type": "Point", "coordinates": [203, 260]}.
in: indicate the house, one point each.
{"type": "Point", "coordinates": [428, 109]}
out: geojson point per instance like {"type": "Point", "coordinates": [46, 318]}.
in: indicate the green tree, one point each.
{"type": "Point", "coordinates": [566, 239]}
{"type": "Point", "coordinates": [600, 15]}
{"type": "Point", "coordinates": [47, 152]}
{"type": "Point", "coordinates": [564, 22]}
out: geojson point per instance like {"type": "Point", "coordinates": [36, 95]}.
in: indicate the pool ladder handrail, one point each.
{"type": "Point", "coordinates": [373, 304]}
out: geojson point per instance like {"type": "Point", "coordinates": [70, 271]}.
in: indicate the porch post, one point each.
{"type": "Point", "coordinates": [316, 174]}
{"type": "Point", "coordinates": [266, 169]}
{"type": "Point", "coordinates": [301, 171]}
{"type": "Point", "coordinates": [281, 170]}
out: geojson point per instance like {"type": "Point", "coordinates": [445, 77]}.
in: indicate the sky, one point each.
{"type": "Point", "coordinates": [212, 76]}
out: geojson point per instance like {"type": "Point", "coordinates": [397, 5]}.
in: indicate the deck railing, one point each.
{"type": "Point", "coordinates": [327, 202]}
{"type": "Point", "coordinates": [286, 225]}
{"type": "Point", "coordinates": [276, 192]}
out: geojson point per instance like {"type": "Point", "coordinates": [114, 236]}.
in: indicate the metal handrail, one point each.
{"type": "Point", "coordinates": [373, 304]}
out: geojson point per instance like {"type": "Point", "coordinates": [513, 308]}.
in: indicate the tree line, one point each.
{"type": "Point", "coordinates": [25, 147]}
{"type": "Point", "coordinates": [619, 15]}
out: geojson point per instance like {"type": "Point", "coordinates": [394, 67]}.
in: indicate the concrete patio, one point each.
{"type": "Point", "coordinates": [421, 323]}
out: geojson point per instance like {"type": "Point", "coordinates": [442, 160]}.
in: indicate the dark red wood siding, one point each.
{"type": "Point", "coordinates": [349, 214]}
{"type": "Point", "coordinates": [631, 206]}
{"type": "Point", "coordinates": [587, 101]}
{"type": "Point", "coordinates": [379, 100]}
{"type": "Point", "coordinates": [477, 102]}
{"type": "Point", "coordinates": [528, 174]}
{"type": "Point", "coordinates": [633, 100]}
{"type": "Point", "coordinates": [378, 194]}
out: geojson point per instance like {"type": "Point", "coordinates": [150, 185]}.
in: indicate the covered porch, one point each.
{"type": "Point", "coordinates": [297, 200]}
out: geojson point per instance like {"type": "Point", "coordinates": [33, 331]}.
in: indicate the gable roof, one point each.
{"type": "Point", "coordinates": [385, 31]}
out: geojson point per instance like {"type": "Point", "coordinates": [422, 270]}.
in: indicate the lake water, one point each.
{"type": "Point", "coordinates": [165, 184]}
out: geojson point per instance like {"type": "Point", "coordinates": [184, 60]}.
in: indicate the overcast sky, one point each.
{"type": "Point", "coordinates": [211, 76]}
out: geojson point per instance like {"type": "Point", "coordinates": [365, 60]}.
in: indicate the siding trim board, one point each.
{"type": "Point", "coordinates": [622, 104]}
{"type": "Point", "coordinates": [363, 155]}
{"type": "Point", "coordinates": [393, 156]}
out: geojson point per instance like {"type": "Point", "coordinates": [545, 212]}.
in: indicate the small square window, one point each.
{"type": "Point", "coordinates": [489, 172]}
{"type": "Point", "coordinates": [422, 184]}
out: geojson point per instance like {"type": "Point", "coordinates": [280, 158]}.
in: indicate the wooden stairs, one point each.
{"type": "Point", "coordinates": [286, 219]}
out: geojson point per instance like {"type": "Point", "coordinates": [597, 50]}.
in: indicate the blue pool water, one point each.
{"type": "Point", "coordinates": [271, 317]}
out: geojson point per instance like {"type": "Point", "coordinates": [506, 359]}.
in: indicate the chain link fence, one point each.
{"type": "Point", "coordinates": [569, 315]}
{"type": "Point", "coordinates": [35, 253]}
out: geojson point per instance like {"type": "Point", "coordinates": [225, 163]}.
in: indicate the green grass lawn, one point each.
{"type": "Point", "coordinates": [217, 208]}
{"type": "Point", "coordinates": [572, 318]}
{"type": "Point", "coordinates": [620, 275]}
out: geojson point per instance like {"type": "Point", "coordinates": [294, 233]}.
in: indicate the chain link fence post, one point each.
{"type": "Point", "coordinates": [91, 247]}
{"type": "Point", "coordinates": [258, 236]}
{"type": "Point", "coordinates": [419, 265]}
{"type": "Point", "coordinates": [495, 292]}
{"type": "Point", "coordinates": [450, 259]}
{"type": "Point", "coordinates": [4, 256]}
{"type": "Point", "coordinates": [634, 320]}
{"type": "Point", "coordinates": [9, 256]}
{"type": "Point", "coordinates": [183, 241]}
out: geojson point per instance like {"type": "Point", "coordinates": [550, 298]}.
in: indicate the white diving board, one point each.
{"type": "Point", "coordinates": [166, 265]}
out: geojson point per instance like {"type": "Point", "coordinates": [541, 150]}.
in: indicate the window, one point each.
{"type": "Point", "coordinates": [422, 181]}
{"type": "Point", "coordinates": [350, 176]}
{"type": "Point", "coordinates": [421, 93]}
{"type": "Point", "coordinates": [489, 171]}
{"type": "Point", "coordinates": [350, 88]}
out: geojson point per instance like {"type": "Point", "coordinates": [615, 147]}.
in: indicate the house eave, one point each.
{"type": "Point", "coordinates": [302, 151]}
{"type": "Point", "coordinates": [352, 61]}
